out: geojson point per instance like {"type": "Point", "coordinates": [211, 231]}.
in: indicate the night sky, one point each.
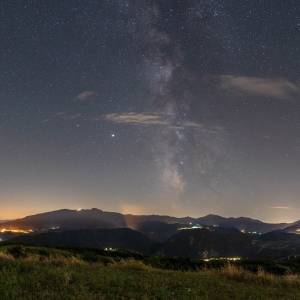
{"type": "Point", "coordinates": [170, 107]}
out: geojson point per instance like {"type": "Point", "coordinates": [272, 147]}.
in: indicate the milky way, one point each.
{"type": "Point", "coordinates": [177, 107]}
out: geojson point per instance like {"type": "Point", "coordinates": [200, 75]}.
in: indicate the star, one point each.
{"type": "Point", "coordinates": [113, 135]}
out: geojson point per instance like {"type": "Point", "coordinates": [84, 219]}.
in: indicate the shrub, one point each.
{"type": "Point", "coordinates": [17, 251]}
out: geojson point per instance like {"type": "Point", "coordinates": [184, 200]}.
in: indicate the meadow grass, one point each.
{"type": "Point", "coordinates": [61, 275]}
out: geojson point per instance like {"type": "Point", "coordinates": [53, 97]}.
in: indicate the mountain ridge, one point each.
{"type": "Point", "coordinates": [97, 218]}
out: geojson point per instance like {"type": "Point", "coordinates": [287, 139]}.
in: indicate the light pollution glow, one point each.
{"type": "Point", "coordinates": [15, 230]}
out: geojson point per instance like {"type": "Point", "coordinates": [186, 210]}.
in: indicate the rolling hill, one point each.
{"type": "Point", "coordinates": [121, 238]}
{"type": "Point", "coordinates": [293, 228]}
{"type": "Point", "coordinates": [209, 242]}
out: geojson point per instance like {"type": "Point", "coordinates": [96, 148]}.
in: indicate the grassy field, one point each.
{"type": "Point", "coordinates": [57, 274]}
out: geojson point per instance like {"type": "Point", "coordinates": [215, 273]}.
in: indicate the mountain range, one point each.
{"type": "Point", "coordinates": [97, 218]}
{"type": "Point", "coordinates": [204, 237]}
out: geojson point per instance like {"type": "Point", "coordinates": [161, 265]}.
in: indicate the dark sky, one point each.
{"type": "Point", "coordinates": [176, 107]}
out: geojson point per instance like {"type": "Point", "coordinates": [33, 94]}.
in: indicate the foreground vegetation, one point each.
{"type": "Point", "coordinates": [41, 273]}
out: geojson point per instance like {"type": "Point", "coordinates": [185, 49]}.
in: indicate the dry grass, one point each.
{"type": "Point", "coordinates": [131, 264]}
{"type": "Point", "coordinates": [261, 276]}
{"type": "Point", "coordinates": [5, 256]}
{"type": "Point", "coordinates": [63, 261]}
{"type": "Point", "coordinates": [56, 259]}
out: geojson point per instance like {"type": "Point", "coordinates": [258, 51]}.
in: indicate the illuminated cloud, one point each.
{"type": "Point", "coordinates": [136, 118]}
{"type": "Point", "coordinates": [275, 87]}
{"type": "Point", "coordinates": [280, 207]}
{"type": "Point", "coordinates": [86, 95]}
{"type": "Point", "coordinates": [133, 118]}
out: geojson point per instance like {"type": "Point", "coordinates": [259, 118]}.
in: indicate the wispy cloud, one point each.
{"type": "Point", "coordinates": [280, 207]}
{"type": "Point", "coordinates": [270, 87]}
{"type": "Point", "coordinates": [86, 95]}
{"type": "Point", "coordinates": [133, 118]}
{"type": "Point", "coordinates": [136, 118]}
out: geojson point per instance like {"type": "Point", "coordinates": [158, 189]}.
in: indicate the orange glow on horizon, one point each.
{"type": "Point", "coordinates": [15, 230]}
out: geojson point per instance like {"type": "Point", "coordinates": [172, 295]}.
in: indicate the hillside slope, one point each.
{"type": "Point", "coordinates": [123, 238]}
